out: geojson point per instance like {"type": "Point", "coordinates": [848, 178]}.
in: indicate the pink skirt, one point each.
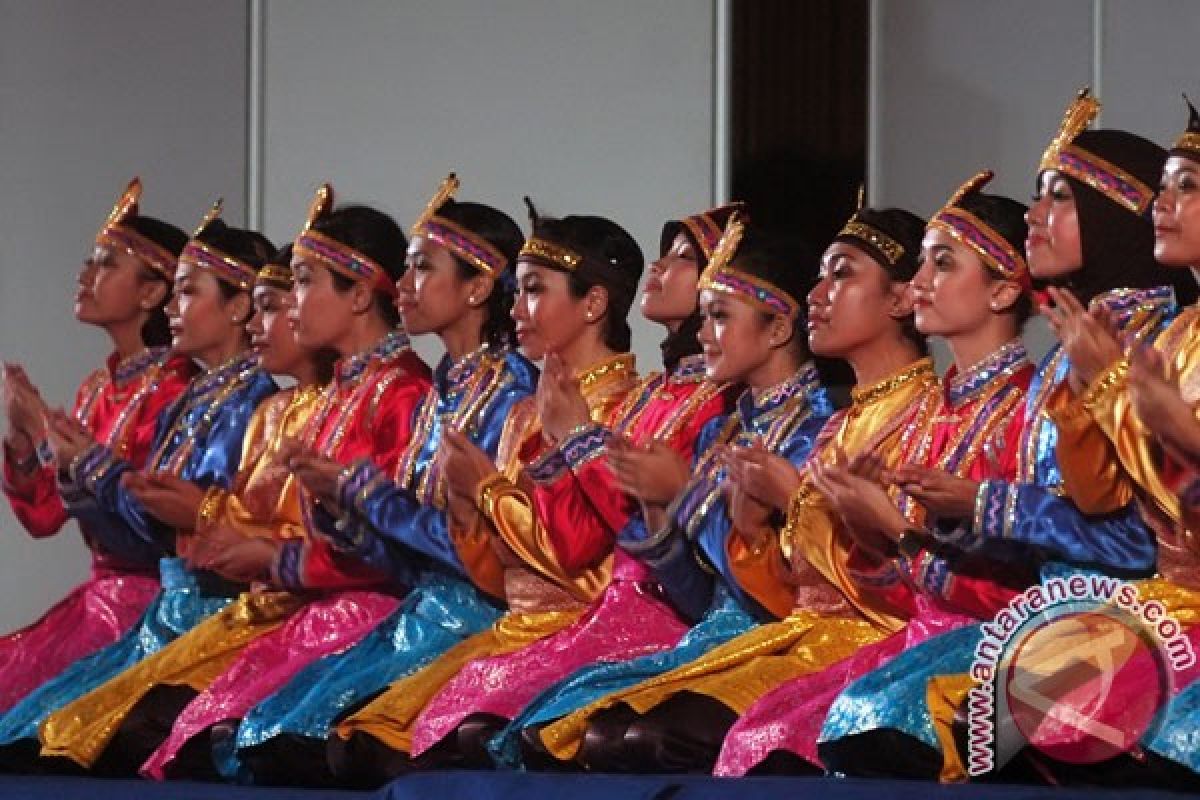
{"type": "Point", "coordinates": [790, 716]}
{"type": "Point", "coordinates": [322, 627]}
{"type": "Point", "coordinates": [94, 615]}
{"type": "Point", "coordinates": [629, 621]}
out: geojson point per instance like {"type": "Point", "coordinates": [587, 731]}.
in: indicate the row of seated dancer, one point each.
{"type": "Point", "coordinates": [708, 568]}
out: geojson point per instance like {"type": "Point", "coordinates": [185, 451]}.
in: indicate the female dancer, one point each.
{"type": "Point", "coordinates": [199, 439]}
{"type": "Point", "coordinates": [124, 287]}
{"type": "Point", "coordinates": [666, 410]}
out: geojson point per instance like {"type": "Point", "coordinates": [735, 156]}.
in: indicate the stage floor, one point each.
{"type": "Point", "coordinates": [534, 786]}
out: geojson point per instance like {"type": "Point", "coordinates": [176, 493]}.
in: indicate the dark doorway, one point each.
{"type": "Point", "coordinates": [799, 105]}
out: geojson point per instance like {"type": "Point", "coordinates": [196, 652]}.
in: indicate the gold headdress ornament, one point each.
{"type": "Point", "coordinates": [126, 205]}
{"type": "Point", "coordinates": [974, 184]}
{"type": "Point", "coordinates": [722, 254]}
{"type": "Point", "coordinates": [212, 216]}
{"type": "Point", "coordinates": [995, 251]}
{"type": "Point", "coordinates": [225, 267]}
{"type": "Point", "coordinates": [118, 235]}
{"type": "Point", "coordinates": [444, 192]}
{"type": "Point", "coordinates": [461, 241]}
{"type": "Point", "coordinates": [1065, 156]}
{"type": "Point", "coordinates": [322, 204]}
{"type": "Point", "coordinates": [722, 276]}
{"type": "Point", "coordinates": [312, 245]}
{"type": "Point", "coordinates": [1079, 115]}
{"type": "Point", "coordinates": [1188, 143]}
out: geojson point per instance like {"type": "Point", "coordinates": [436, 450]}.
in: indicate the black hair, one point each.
{"type": "Point", "coordinates": [907, 230]}
{"type": "Point", "coordinates": [249, 247]}
{"type": "Point", "coordinates": [1118, 244]}
{"type": "Point", "coordinates": [377, 236]}
{"type": "Point", "coordinates": [502, 233]}
{"type": "Point", "coordinates": [786, 262]}
{"type": "Point", "coordinates": [156, 330]}
{"type": "Point", "coordinates": [1006, 217]}
{"type": "Point", "coordinates": [612, 260]}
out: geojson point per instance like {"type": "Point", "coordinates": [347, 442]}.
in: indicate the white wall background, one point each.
{"type": "Point", "coordinates": [92, 93]}
{"type": "Point", "coordinates": [963, 85]}
{"type": "Point", "coordinates": [590, 107]}
{"type": "Point", "coordinates": [602, 108]}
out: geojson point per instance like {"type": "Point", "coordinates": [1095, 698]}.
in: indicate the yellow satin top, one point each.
{"type": "Point", "coordinates": [806, 566]}
{"type": "Point", "coordinates": [265, 499]}
{"type": "Point", "coordinates": [521, 553]}
{"type": "Point", "coordinates": [1108, 456]}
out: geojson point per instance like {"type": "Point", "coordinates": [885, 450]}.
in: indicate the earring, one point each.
{"type": "Point", "coordinates": [590, 316]}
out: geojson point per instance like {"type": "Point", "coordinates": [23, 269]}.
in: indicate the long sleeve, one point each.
{"type": "Point", "coordinates": [378, 436]}
{"type": "Point", "coordinates": [383, 523]}
{"type": "Point", "coordinates": [213, 461]}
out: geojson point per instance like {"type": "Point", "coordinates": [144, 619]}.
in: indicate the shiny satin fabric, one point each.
{"type": "Point", "coordinates": [788, 419]}
{"type": "Point", "coordinates": [437, 613]}
{"type": "Point", "coordinates": [544, 594]}
{"type": "Point", "coordinates": [179, 606]}
{"type": "Point", "coordinates": [630, 618]}
{"type": "Point", "coordinates": [94, 615]}
{"type": "Point", "coordinates": [365, 414]}
{"type": "Point", "coordinates": [264, 503]}
{"type": "Point", "coordinates": [864, 692]}
{"type": "Point", "coordinates": [566, 707]}
{"type": "Point", "coordinates": [82, 729]}
{"type": "Point", "coordinates": [119, 405]}
{"type": "Point", "coordinates": [256, 670]}
{"type": "Point", "coordinates": [199, 439]}
{"type": "Point", "coordinates": [395, 716]}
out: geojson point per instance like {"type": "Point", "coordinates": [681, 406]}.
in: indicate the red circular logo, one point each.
{"type": "Point", "coordinates": [1085, 686]}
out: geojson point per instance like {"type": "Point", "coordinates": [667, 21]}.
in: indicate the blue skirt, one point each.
{"type": "Point", "coordinates": [438, 613]}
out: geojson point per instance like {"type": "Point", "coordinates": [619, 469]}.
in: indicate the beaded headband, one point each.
{"type": "Point", "coordinates": [115, 234]}
{"type": "Point", "coordinates": [225, 267]}
{"type": "Point", "coordinates": [1102, 175]}
{"type": "Point", "coordinates": [551, 254]}
{"type": "Point", "coordinates": [997, 254]}
{"type": "Point", "coordinates": [276, 275]}
{"type": "Point", "coordinates": [467, 245]}
{"type": "Point", "coordinates": [1188, 144]}
{"type": "Point", "coordinates": [889, 248]}
{"type": "Point", "coordinates": [313, 245]}
{"type": "Point", "coordinates": [722, 276]}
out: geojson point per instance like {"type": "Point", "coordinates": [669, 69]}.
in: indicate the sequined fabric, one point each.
{"type": "Point", "coordinates": [322, 627]}
{"type": "Point", "coordinates": [180, 605]}
{"type": "Point", "coordinates": [630, 621]}
{"type": "Point", "coordinates": [82, 729]}
{"type": "Point", "coordinates": [570, 703]}
{"type": "Point", "coordinates": [435, 615]}
{"type": "Point", "coordinates": [97, 613]}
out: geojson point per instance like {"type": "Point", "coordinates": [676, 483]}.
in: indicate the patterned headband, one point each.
{"type": "Point", "coordinates": [996, 252]}
{"type": "Point", "coordinates": [117, 235]}
{"type": "Point", "coordinates": [225, 267]}
{"type": "Point", "coordinates": [467, 245]}
{"type": "Point", "coordinates": [550, 253]}
{"type": "Point", "coordinates": [891, 250]}
{"type": "Point", "coordinates": [723, 276]}
{"type": "Point", "coordinates": [312, 245]}
{"type": "Point", "coordinates": [1102, 175]}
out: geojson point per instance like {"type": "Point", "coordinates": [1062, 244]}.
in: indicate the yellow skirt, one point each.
{"type": "Point", "coordinates": [390, 716]}
{"type": "Point", "coordinates": [82, 729]}
{"type": "Point", "coordinates": [945, 694]}
{"type": "Point", "coordinates": [737, 673]}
